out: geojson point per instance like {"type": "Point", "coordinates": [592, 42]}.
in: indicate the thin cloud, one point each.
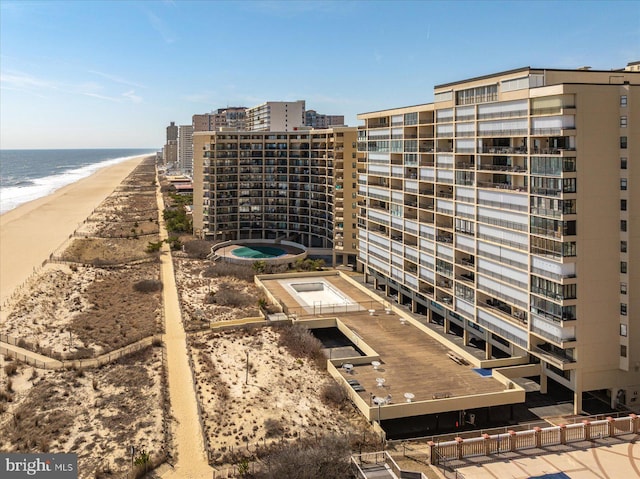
{"type": "Point", "coordinates": [159, 26]}
{"type": "Point", "coordinates": [116, 79]}
{"type": "Point", "coordinates": [23, 80]}
{"type": "Point", "coordinates": [132, 96]}
{"type": "Point", "coordinates": [101, 97]}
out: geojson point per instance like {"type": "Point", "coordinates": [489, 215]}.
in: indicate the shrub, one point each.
{"type": "Point", "coordinates": [239, 271]}
{"type": "Point", "coordinates": [228, 295]}
{"type": "Point", "coordinates": [273, 428]}
{"type": "Point", "coordinates": [5, 395]}
{"type": "Point", "coordinates": [177, 220]}
{"type": "Point", "coordinates": [153, 247]}
{"type": "Point", "coordinates": [10, 369]}
{"type": "Point", "coordinates": [174, 243]}
{"type": "Point", "coordinates": [199, 249]}
{"type": "Point", "coordinates": [148, 286]}
{"type": "Point", "coordinates": [333, 393]}
{"type": "Point", "coordinates": [301, 343]}
{"type": "Point", "coordinates": [327, 458]}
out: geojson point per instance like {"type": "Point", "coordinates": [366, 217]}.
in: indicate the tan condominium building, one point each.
{"type": "Point", "coordinates": [505, 211]}
{"type": "Point", "coordinates": [276, 116]}
{"type": "Point", "coordinates": [231, 117]}
{"type": "Point", "coordinates": [298, 186]}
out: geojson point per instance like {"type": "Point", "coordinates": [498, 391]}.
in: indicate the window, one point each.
{"type": "Point", "coordinates": [623, 163]}
{"type": "Point", "coordinates": [623, 288]}
{"type": "Point", "coordinates": [623, 122]}
{"type": "Point", "coordinates": [623, 184]}
{"type": "Point", "coordinates": [623, 267]}
{"type": "Point", "coordinates": [623, 205]}
{"type": "Point", "coordinates": [623, 225]}
{"type": "Point", "coordinates": [623, 142]}
{"type": "Point", "coordinates": [623, 351]}
{"type": "Point", "coordinates": [623, 100]}
{"type": "Point", "coordinates": [623, 309]}
{"type": "Point", "coordinates": [623, 246]}
{"type": "Point", "coordinates": [623, 330]}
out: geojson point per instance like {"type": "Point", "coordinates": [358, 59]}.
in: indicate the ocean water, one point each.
{"type": "Point", "coordinates": [26, 175]}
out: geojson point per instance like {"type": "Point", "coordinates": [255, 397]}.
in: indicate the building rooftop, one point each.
{"type": "Point", "coordinates": [411, 360]}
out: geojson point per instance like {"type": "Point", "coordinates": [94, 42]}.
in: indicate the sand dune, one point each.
{"type": "Point", "coordinates": [32, 231]}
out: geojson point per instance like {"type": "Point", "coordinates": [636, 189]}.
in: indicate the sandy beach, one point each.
{"type": "Point", "coordinates": [32, 231]}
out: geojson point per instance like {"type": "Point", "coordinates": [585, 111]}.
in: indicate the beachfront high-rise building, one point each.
{"type": "Point", "coordinates": [230, 117]}
{"type": "Point", "coordinates": [314, 119]}
{"type": "Point", "coordinates": [276, 116]}
{"type": "Point", "coordinates": [299, 186]}
{"type": "Point", "coordinates": [507, 212]}
{"type": "Point", "coordinates": [170, 153]}
{"type": "Point", "coordinates": [185, 149]}
{"type": "Point", "coordinates": [172, 132]}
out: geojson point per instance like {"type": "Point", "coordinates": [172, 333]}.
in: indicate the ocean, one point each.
{"type": "Point", "coordinates": [26, 175]}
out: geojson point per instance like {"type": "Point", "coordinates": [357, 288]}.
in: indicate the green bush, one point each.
{"type": "Point", "coordinates": [153, 246]}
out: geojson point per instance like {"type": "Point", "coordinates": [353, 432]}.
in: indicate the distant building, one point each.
{"type": "Point", "coordinates": [276, 116]}
{"type": "Point", "coordinates": [172, 132]}
{"type": "Point", "coordinates": [318, 120]}
{"type": "Point", "coordinates": [298, 186]}
{"type": "Point", "coordinates": [230, 117]}
{"type": "Point", "coordinates": [170, 153]}
{"type": "Point", "coordinates": [185, 149]}
{"type": "Point", "coordinates": [633, 67]}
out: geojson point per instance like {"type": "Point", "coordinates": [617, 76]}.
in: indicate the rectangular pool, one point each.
{"type": "Point", "coordinates": [320, 297]}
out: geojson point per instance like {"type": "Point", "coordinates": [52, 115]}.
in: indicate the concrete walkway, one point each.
{"type": "Point", "coordinates": [187, 434]}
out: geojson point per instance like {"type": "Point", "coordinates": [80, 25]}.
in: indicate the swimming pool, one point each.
{"type": "Point", "coordinates": [258, 252]}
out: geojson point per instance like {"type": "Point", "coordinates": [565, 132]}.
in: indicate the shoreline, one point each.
{"type": "Point", "coordinates": [31, 232]}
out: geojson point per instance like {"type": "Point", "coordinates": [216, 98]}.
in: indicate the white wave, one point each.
{"type": "Point", "coordinates": [13, 196]}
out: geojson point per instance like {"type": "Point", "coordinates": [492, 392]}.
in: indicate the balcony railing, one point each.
{"type": "Point", "coordinates": [500, 150]}
{"type": "Point", "coordinates": [501, 186]}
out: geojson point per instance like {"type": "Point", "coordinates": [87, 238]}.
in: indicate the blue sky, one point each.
{"type": "Point", "coordinates": [91, 74]}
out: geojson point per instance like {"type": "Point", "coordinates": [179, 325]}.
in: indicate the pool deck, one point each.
{"type": "Point", "coordinates": [412, 361]}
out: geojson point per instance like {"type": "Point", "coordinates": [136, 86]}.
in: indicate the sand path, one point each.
{"type": "Point", "coordinates": [187, 434]}
{"type": "Point", "coordinates": [32, 231]}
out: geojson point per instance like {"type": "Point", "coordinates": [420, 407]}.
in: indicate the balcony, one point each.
{"type": "Point", "coordinates": [444, 237]}
{"type": "Point", "coordinates": [502, 150]}
{"type": "Point", "coordinates": [496, 167]}
{"type": "Point", "coordinates": [554, 354]}
{"type": "Point", "coordinates": [502, 186]}
{"type": "Point", "coordinates": [503, 310]}
{"type": "Point", "coordinates": [467, 278]}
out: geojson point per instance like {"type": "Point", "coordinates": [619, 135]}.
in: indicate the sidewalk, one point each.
{"type": "Point", "coordinates": [187, 433]}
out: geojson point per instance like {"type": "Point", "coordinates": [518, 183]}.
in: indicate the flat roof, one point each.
{"type": "Point", "coordinates": [412, 360]}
